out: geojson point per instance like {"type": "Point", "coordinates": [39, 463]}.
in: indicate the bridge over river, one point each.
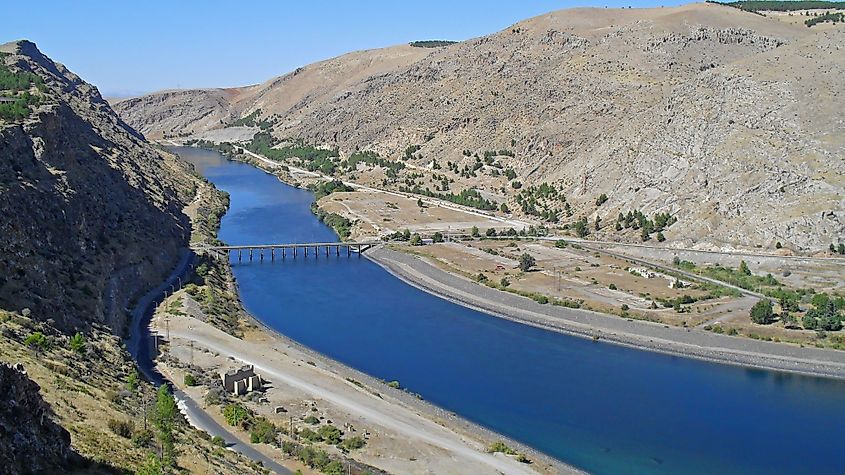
{"type": "Point", "coordinates": [284, 249]}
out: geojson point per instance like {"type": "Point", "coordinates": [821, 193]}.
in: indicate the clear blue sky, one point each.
{"type": "Point", "coordinates": [150, 45]}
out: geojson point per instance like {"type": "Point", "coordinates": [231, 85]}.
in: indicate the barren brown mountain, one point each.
{"type": "Point", "coordinates": [729, 120]}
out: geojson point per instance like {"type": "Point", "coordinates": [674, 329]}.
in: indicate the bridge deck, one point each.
{"type": "Point", "coordinates": [285, 246]}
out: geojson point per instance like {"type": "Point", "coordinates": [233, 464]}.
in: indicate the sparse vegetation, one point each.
{"type": "Point", "coordinates": [328, 187]}
{"type": "Point", "coordinates": [341, 224]}
{"type": "Point", "coordinates": [637, 220]}
{"type": "Point", "coordinates": [314, 158]}
{"type": "Point", "coordinates": [783, 5]}
{"type": "Point", "coordinates": [16, 87]}
{"type": "Point", "coordinates": [544, 201]}
{"type": "Point", "coordinates": [468, 197]}
{"type": "Point", "coordinates": [431, 43]}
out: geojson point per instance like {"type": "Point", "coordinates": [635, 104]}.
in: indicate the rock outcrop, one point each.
{"type": "Point", "coordinates": [31, 441]}
{"type": "Point", "coordinates": [91, 213]}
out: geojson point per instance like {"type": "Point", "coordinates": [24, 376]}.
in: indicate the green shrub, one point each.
{"type": "Point", "coordinates": [37, 341]}
{"type": "Point", "coordinates": [761, 312]}
{"type": "Point", "coordinates": [142, 438]}
{"type": "Point", "coordinates": [190, 380]}
{"type": "Point", "coordinates": [526, 262]}
{"type": "Point", "coordinates": [77, 343]}
{"type": "Point", "coordinates": [235, 414]}
{"type": "Point", "coordinates": [313, 420]}
{"type": "Point", "coordinates": [330, 434]}
{"type": "Point", "coordinates": [132, 380]}
{"type": "Point", "coordinates": [263, 431]}
{"type": "Point", "coordinates": [310, 435]}
{"type": "Point", "coordinates": [500, 446]}
{"type": "Point", "coordinates": [152, 466]}
{"type": "Point", "coordinates": [121, 428]}
{"type": "Point", "coordinates": [353, 443]}
{"type": "Point", "coordinates": [212, 397]}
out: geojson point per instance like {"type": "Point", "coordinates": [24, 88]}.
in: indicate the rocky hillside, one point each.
{"type": "Point", "coordinates": [92, 214]}
{"type": "Point", "coordinates": [92, 217]}
{"type": "Point", "coordinates": [32, 442]}
{"type": "Point", "coordinates": [715, 115]}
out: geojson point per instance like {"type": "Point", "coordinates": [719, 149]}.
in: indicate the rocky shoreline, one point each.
{"type": "Point", "coordinates": [676, 341]}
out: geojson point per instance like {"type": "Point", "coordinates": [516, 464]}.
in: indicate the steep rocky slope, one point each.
{"type": "Point", "coordinates": [715, 115]}
{"type": "Point", "coordinates": [31, 440]}
{"type": "Point", "coordinates": [91, 213]}
{"type": "Point", "coordinates": [91, 217]}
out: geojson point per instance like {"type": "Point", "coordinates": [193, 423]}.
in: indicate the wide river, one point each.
{"type": "Point", "coordinates": [597, 406]}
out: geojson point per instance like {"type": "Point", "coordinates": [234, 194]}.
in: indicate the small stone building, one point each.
{"type": "Point", "coordinates": [241, 381]}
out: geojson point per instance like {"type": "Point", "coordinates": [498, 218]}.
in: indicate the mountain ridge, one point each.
{"type": "Point", "coordinates": [623, 102]}
{"type": "Point", "coordinates": [72, 261]}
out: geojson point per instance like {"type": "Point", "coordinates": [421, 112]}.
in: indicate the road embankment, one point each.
{"type": "Point", "coordinates": [678, 341]}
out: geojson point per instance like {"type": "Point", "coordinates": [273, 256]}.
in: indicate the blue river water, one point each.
{"type": "Point", "coordinates": [597, 406]}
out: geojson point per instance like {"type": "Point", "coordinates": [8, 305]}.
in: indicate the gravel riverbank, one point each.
{"type": "Point", "coordinates": [691, 343]}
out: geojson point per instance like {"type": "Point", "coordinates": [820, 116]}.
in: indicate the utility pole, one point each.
{"type": "Point", "coordinates": [558, 277]}
{"type": "Point", "coordinates": [144, 406]}
{"type": "Point", "coordinates": [292, 430]}
{"type": "Point", "coordinates": [192, 352]}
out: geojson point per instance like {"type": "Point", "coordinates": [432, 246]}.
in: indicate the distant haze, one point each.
{"type": "Point", "coordinates": [128, 50]}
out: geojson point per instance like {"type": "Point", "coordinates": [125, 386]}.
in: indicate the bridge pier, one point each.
{"type": "Point", "coordinates": [227, 252]}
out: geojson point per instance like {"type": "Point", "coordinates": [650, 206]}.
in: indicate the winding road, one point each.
{"type": "Point", "coordinates": [139, 348]}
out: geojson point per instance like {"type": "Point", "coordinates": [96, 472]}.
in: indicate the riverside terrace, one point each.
{"type": "Point", "coordinates": [356, 247]}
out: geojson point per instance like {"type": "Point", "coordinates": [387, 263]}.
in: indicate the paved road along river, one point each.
{"type": "Point", "coordinates": [601, 407]}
